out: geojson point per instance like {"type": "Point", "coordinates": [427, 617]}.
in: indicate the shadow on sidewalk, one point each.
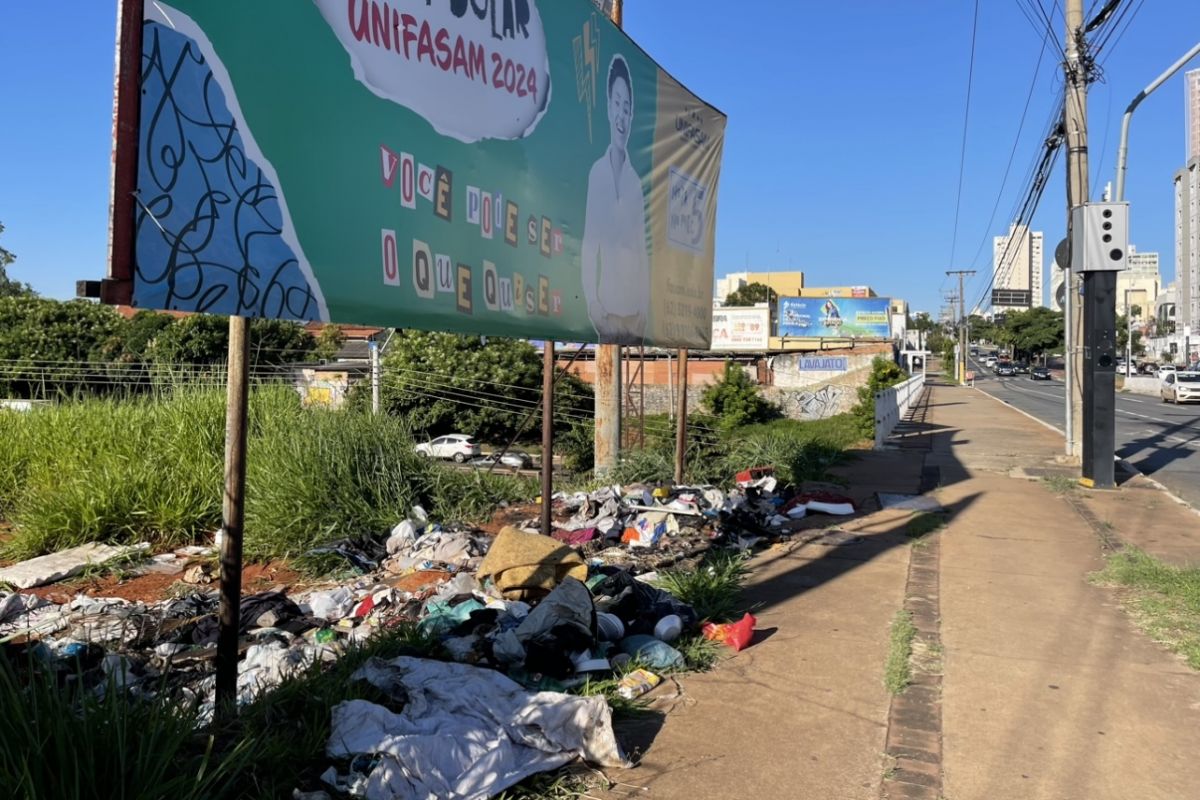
{"type": "Point", "coordinates": [871, 542]}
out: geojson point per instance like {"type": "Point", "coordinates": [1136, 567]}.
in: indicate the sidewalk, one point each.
{"type": "Point", "coordinates": [1049, 691]}
{"type": "Point", "coordinates": [1046, 690]}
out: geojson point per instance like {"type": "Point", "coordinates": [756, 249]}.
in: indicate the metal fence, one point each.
{"type": "Point", "coordinates": [891, 405]}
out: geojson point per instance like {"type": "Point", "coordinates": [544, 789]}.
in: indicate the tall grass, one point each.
{"type": "Point", "coordinates": [150, 469]}
{"type": "Point", "coordinates": [62, 740]}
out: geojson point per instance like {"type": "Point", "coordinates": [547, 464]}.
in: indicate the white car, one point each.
{"type": "Point", "coordinates": [990, 361]}
{"type": "Point", "coordinates": [1181, 387]}
{"type": "Point", "coordinates": [458, 446]}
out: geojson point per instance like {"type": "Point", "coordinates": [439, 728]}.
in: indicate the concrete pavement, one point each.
{"type": "Point", "coordinates": [1044, 688]}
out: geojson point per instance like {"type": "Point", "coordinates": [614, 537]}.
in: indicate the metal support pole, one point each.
{"type": "Point", "coordinates": [681, 418]}
{"type": "Point", "coordinates": [376, 378]}
{"type": "Point", "coordinates": [1123, 150]}
{"type": "Point", "coordinates": [230, 585]}
{"type": "Point", "coordinates": [547, 433]}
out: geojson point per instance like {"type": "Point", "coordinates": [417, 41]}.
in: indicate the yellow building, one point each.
{"type": "Point", "coordinates": [785, 284]}
{"type": "Point", "coordinates": [836, 291]}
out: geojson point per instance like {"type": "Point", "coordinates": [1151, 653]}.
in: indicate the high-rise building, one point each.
{"type": "Point", "coordinates": [1017, 270]}
{"type": "Point", "coordinates": [1139, 284]}
{"type": "Point", "coordinates": [1191, 95]}
{"type": "Point", "coordinates": [1187, 243]}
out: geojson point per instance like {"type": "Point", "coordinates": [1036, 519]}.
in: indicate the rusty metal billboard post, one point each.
{"type": "Point", "coordinates": [503, 168]}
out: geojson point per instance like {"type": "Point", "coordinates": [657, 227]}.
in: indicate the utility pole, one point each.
{"type": "Point", "coordinates": [961, 366]}
{"type": "Point", "coordinates": [608, 360]}
{"type": "Point", "coordinates": [1075, 129]}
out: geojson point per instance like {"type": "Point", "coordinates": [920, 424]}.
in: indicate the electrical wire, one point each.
{"type": "Point", "coordinates": [962, 158]}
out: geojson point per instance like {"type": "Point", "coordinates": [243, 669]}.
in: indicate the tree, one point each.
{"type": "Point", "coordinates": [10, 288]}
{"type": "Point", "coordinates": [203, 340]}
{"type": "Point", "coordinates": [981, 329]}
{"type": "Point", "coordinates": [751, 294]}
{"type": "Point", "coordinates": [47, 347]}
{"type": "Point", "coordinates": [329, 342]}
{"type": "Point", "coordinates": [1031, 333]}
{"type": "Point", "coordinates": [448, 383]}
{"type": "Point", "coordinates": [1138, 348]}
{"type": "Point", "coordinates": [884, 374]}
{"type": "Point", "coordinates": [736, 401]}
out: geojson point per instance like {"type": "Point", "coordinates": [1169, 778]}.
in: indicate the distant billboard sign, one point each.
{"type": "Point", "coordinates": [517, 168]}
{"type": "Point", "coordinates": [739, 329]}
{"type": "Point", "coordinates": [835, 317]}
{"type": "Point", "coordinates": [860, 291]}
{"type": "Point", "coordinates": [824, 364]}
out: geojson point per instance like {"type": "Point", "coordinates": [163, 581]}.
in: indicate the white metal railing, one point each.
{"type": "Point", "coordinates": [892, 404]}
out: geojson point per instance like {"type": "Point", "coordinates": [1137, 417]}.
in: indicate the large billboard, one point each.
{"type": "Point", "coordinates": [835, 317]}
{"type": "Point", "coordinates": [741, 329]}
{"type": "Point", "coordinates": [503, 167]}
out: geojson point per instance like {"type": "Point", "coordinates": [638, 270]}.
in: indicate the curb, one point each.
{"type": "Point", "coordinates": [1179, 500]}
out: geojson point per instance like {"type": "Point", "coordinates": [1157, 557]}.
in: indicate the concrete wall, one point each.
{"type": "Point", "coordinates": [1148, 385]}
{"type": "Point", "coordinates": [787, 373]}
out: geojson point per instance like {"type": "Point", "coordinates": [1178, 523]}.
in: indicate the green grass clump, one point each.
{"type": "Point", "coordinates": [713, 589]}
{"type": "Point", "coordinates": [923, 524]}
{"type": "Point", "coordinates": [1164, 600]}
{"type": "Point", "coordinates": [1061, 484]}
{"type": "Point", "coordinates": [68, 742]}
{"type": "Point", "coordinates": [897, 671]}
{"type": "Point", "coordinates": [151, 469]}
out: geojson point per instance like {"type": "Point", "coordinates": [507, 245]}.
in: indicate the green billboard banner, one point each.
{"type": "Point", "coordinates": [502, 167]}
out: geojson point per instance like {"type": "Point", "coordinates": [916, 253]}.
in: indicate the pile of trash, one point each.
{"type": "Point", "coordinates": [522, 617]}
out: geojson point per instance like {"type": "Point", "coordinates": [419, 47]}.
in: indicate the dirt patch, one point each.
{"type": "Point", "coordinates": [417, 581]}
{"type": "Point", "coordinates": [153, 587]}
{"type": "Point", "coordinates": [513, 515]}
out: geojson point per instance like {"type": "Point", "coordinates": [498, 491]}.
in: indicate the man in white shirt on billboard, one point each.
{"type": "Point", "coordinates": [616, 267]}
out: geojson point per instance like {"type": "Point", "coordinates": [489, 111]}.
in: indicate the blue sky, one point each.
{"type": "Point", "coordinates": [842, 157]}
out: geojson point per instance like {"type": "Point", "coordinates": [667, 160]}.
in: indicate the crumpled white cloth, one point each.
{"type": "Point", "coordinates": [466, 733]}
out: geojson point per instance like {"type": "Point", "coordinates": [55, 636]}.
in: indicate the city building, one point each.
{"type": "Point", "coordinates": [785, 284]}
{"type": "Point", "coordinates": [1058, 288]}
{"type": "Point", "coordinates": [1165, 306]}
{"type": "Point", "coordinates": [1191, 95]}
{"type": "Point", "coordinates": [1139, 285]}
{"type": "Point", "coordinates": [1187, 243]}
{"type": "Point", "coordinates": [1017, 270]}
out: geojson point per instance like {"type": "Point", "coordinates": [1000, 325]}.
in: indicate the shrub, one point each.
{"type": "Point", "coordinates": [885, 373]}
{"type": "Point", "coordinates": [736, 401]}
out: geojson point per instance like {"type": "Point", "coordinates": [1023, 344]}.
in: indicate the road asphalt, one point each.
{"type": "Point", "coordinates": [1159, 439]}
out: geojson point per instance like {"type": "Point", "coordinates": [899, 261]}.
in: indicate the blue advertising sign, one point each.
{"type": "Point", "coordinates": [835, 317]}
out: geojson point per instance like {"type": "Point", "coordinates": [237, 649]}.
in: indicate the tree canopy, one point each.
{"type": "Point", "coordinates": [8, 287]}
{"type": "Point", "coordinates": [751, 294]}
{"type": "Point", "coordinates": [449, 383]}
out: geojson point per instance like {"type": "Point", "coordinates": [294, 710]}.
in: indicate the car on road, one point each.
{"type": "Point", "coordinates": [514, 459]}
{"type": "Point", "coordinates": [990, 361]}
{"type": "Point", "coordinates": [1005, 370]}
{"type": "Point", "coordinates": [1039, 374]}
{"type": "Point", "coordinates": [1181, 387]}
{"type": "Point", "coordinates": [1021, 367]}
{"type": "Point", "coordinates": [457, 446]}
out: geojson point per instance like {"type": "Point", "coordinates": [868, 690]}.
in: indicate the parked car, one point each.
{"type": "Point", "coordinates": [1181, 387]}
{"type": "Point", "coordinates": [515, 459]}
{"type": "Point", "coordinates": [1039, 374]}
{"type": "Point", "coordinates": [458, 446]}
{"type": "Point", "coordinates": [1005, 370]}
{"type": "Point", "coordinates": [1148, 369]}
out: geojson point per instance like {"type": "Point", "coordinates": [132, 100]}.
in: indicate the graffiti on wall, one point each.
{"type": "Point", "coordinates": [819, 403]}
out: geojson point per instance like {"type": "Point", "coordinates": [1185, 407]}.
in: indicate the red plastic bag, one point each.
{"type": "Point", "coordinates": [735, 634]}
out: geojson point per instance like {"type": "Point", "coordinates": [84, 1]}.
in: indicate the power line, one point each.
{"type": "Point", "coordinates": [962, 159]}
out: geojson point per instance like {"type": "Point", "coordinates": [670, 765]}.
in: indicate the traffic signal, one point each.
{"type": "Point", "coordinates": [1101, 233]}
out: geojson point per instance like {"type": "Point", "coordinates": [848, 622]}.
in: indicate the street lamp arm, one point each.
{"type": "Point", "coordinates": [1123, 152]}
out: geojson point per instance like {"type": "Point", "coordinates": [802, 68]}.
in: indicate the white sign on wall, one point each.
{"type": "Point", "coordinates": [741, 329]}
